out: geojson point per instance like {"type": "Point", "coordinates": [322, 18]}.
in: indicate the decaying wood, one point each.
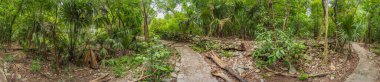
{"type": "Point", "coordinates": [240, 47]}
{"type": "Point", "coordinates": [222, 65]}
{"type": "Point", "coordinates": [296, 76]}
{"type": "Point", "coordinates": [139, 79]}
{"type": "Point", "coordinates": [220, 74]}
{"type": "Point", "coordinates": [90, 58]}
{"type": "Point", "coordinates": [47, 76]}
{"type": "Point", "coordinates": [101, 78]}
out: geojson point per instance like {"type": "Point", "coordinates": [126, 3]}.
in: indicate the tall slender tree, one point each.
{"type": "Point", "coordinates": [10, 29]}
{"type": "Point", "coordinates": [286, 15]}
{"type": "Point", "coordinates": [326, 13]}
{"type": "Point", "coordinates": [146, 33]}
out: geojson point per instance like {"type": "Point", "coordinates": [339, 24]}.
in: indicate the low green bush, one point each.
{"type": "Point", "coordinates": [376, 49]}
{"type": "Point", "coordinates": [275, 46]}
{"type": "Point", "coordinates": [8, 57]}
{"type": "Point", "coordinates": [152, 54]}
{"type": "Point", "coordinates": [227, 54]}
{"type": "Point", "coordinates": [36, 65]}
{"type": "Point", "coordinates": [205, 45]}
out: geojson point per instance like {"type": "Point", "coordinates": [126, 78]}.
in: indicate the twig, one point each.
{"type": "Point", "coordinates": [99, 78]}
{"type": "Point", "coordinates": [47, 76]}
{"type": "Point", "coordinates": [141, 78]}
{"type": "Point", "coordinates": [297, 76]}
{"type": "Point", "coordinates": [142, 72]}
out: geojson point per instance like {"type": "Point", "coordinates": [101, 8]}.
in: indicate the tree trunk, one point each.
{"type": "Point", "coordinates": [270, 5]}
{"type": "Point", "coordinates": [369, 31]}
{"type": "Point", "coordinates": [55, 40]}
{"type": "Point", "coordinates": [325, 8]}
{"type": "Point", "coordinates": [337, 44]}
{"type": "Point", "coordinates": [286, 15]}
{"type": "Point", "coordinates": [146, 34]}
{"type": "Point", "coordinates": [10, 30]}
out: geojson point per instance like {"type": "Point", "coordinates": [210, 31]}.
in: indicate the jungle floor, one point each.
{"type": "Point", "coordinates": [342, 67]}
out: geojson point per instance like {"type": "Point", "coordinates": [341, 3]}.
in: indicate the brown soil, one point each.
{"type": "Point", "coordinates": [341, 65]}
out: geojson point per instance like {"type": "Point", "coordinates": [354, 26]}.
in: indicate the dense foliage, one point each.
{"type": "Point", "coordinates": [71, 31]}
{"type": "Point", "coordinates": [278, 46]}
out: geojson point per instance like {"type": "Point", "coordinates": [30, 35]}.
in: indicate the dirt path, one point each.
{"type": "Point", "coordinates": [367, 69]}
{"type": "Point", "coordinates": [192, 67]}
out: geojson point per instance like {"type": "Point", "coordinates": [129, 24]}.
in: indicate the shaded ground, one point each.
{"type": "Point", "coordinates": [367, 69]}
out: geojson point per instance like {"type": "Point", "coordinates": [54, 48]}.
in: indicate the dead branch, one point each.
{"type": "Point", "coordinates": [220, 74]}
{"type": "Point", "coordinates": [101, 78]}
{"type": "Point", "coordinates": [139, 79]}
{"type": "Point", "coordinates": [222, 65]}
{"type": "Point", "coordinates": [143, 70]}
{"type": "Point", "coordinates": [240, 47]}
{"type": "Point", "coordinates": [143, 77]}
{"type": "Point", "coordinates": [47, 76]}
{"type": "Point", "coordinates": [296, 76]}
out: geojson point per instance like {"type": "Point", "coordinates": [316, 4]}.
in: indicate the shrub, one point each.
{"type": "Point", "coordinates": [36, 65]}
{"type": "Point", "coordinates": [152, 54]}
{"type": "Point", "coordinates": [303, 76]}
{"type": "Point", "coordinates": [8, 58]}
{"type": "Point", "coordinates": [205, 45]}
{"type": "Point", "coordinates": [227, 54]}
{"type": "Point", "coordinates": [277, 46]}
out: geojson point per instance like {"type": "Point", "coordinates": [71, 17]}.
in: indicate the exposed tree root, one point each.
{"type": "Point", "coordinates": [297, 76]}
{"type": "Point", "coordinates": [222, 65]}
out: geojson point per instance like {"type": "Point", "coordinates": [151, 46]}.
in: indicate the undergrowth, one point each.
{"type": "Point", "coordinates": [376, 49]}
{"type": "Point", "coordinates": [205, 45]}
{"type": "Point", "coordinates": [275, 46]}
{"type": "Point", "coordinates": [8, 57]}
{"type": "Point", "coordinates": [152, 55]}
{"type": "Point", "coordinates": [36, 65]}
{"type": "Point", "coordinates": [227, 54]}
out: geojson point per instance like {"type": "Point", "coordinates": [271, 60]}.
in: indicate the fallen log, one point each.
{"type": "Point", "coordinates": [296, 76]}
{"type": "Point", "coordinates": [220, 74]}
{"type": "Point", "coordinates": [222, 65]}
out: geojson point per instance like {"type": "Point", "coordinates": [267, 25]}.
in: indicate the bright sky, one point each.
{"type": "Point", "coordinates": [162, 14]}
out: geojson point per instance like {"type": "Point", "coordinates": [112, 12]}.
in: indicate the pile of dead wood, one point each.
{"type": "Point", "coordinates": [224, 66]}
